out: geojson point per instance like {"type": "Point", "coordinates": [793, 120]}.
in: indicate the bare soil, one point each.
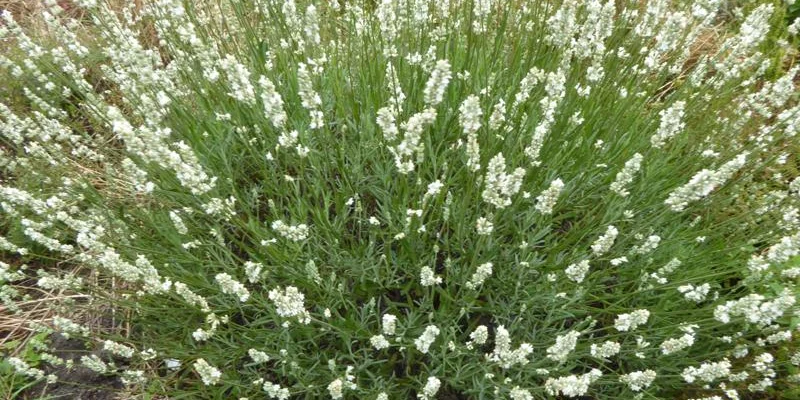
{"type": "Point", "coordinates": [78, 383]}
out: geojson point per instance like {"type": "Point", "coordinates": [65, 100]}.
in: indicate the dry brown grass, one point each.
{"type": "Point", "coordinates": [21, 8]}
{"type": "Point", "coordinates": [37, 311]}
{"type": "Point", "coordinates": [708, 42]}
{"type": "Point", "coordinates": [42, 305]}
{"type": "Point", "coordinates": [26, 12]}
{"type": "Point", "coordinates": [18, 328]}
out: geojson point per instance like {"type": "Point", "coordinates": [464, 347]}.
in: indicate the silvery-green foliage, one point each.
{"type": "Point", "coordinates": [408, 198]}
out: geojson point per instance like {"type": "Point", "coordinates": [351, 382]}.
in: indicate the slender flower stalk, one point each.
{"type": "Point", "coordinates": [402, 198]}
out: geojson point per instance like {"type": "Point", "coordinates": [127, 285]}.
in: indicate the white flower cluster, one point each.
{"type": "Point", "coordinates": [786, 248]}
{"type": "Point", "coordinates": [518, 393]}
{"type": "Point", "coordinates": [498, 116]}
{"type": "Point", "coordinates": [481, 10]}
{"type": "Point", "coordinates": [577, 272]}
{"type": "Point", "coordinates": [484, 226]}
{"type": "Point", "coordinates": [638, 380]}
{"type": "Point", "coordinates": [707, 371]}
{"type": "Point", "coordinates": [336, 389]}
{"type": "Point", "coordinates": [548, 198]}
{"type": "Point", "coordinates": [167, 136]}
{"type": "Point", "coordinates": [133, 377]}
{"type": "Point", "coordinates": [232, 286]}
{"type": "Point", "coordinates": [739, 54]}
{"type": "Point", "coordinates": [673, 345]}
{"type": "Point", "coordinates": [292, 139]}
{"type": "Point", "coordinates": [207, 372]}
{"type": "Point", "coordinates": [22, 368]}
{"type": "Point", "coordinates": [526, 86]}
{"type": "Point", "coordinates": [213, 321]}
{"type": "Point", "coordinates": [137, 176]}
{"type": "Point", "coordinates": [424, 341]}
{"type": "Point", "coordinates": [94, 363]}
{"type": "Point", "coordinates": [387, 120]}
{"type": "Point", "coordinates": [238, 80]}
{"type": "Point", "coordinates": [433, 189]}
{"type": "Point", "coordinates": [671, 124]}
{"type": "Point", "coordinates": [503, 353]}
{"type": "Point", "coordinates": [190, 297]}
{"type": "Point", "coordinates": [694, 293]}
{"type": "Point", "coordinates": [311, 100]}
{"type": "Point", "coordinates": [220, 207]}
{"type": "Point", "coordinates": [150, 144]}
{"type": "Point", "coordinates": [388, 324]}
{"type": "Point", "coordinates": [11, 247]}
{"type": "Point", "coordinates": [670, 267]}
{"type": "Point", "coordinates": [777, 337]}
{"type": "Point", "coordinates": [67, 327]}
{"type": "Point", "coordinates": [253, 271]}
{"type": "Point", "coordinates": [572, 385]}
{"type": "Point", "coordinates": [650, 243]}
{"type": "Point", "coordinates": [275, 391]}
{"type": "Point", "coordinates": [500, 186]}
{"type": "Point", "coordinates": [556, 90]}
{"type": "Point", "coordinates": [703, 183]}
{"type": "Point", "coordinates": [337, 386]}
{"type": "Point", "coordinates": [484, 271]}
{"type": "Point", "coordinates": [428, 278]}
{"type": "Point", "coordinates": [311, 25]}
{"type": "Point", "coordinates": [437, 83]}
{"type": "Point", "coordinates": [470, 119]}
{"type": "Point", "coordinates": [289, 303]}
{"type": "Point", "coordinates": [564, 345]}
{"type": "Point", "coordinates": [562, 25]}
{"type": "Point", "coordinates": [295, 233]}
{"type": "Point", "coordinates": [411, 147]}
{"type": "Point", "coordinates": [630, 321]}
{"type": "Point", "coordinates": [379, 342]}
{"type": "Point", "coordinates": [46, 280]}
{"type": "Point", "coordinates": [177, 221]}
{"type": "Point", "coordinates": [605, 241]}
{"type": "Point", "coordinates": [396, 91]}
{"type": "Point", "coordinates": [430, 389]}
{"type": "Point", "coordinates": [763, 364]}
{"type": "Point", "coordinates": [258, 356]}
{"type": "Point", "coordinates": [479, 336]}
{"type": "Point", "coordinates": [605, 350]}
{"type": "Point", "coordinates": [667, 40]}
{"type": "Point", "coordinates": [618, 261]}
{"type": "Point", "coordinates": [755, 309]}
{"type": "Point", "coordinates": [625, 176]}
{"type": "Point", "coordinates": [118, 349]}
{"type": "Point", "coordinates": [387, 116]}
{"type": "Point", "coordinates": [273, 103]}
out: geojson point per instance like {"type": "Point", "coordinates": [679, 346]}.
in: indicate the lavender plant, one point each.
{"type": "Point", "coordinates": [402, 199]}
